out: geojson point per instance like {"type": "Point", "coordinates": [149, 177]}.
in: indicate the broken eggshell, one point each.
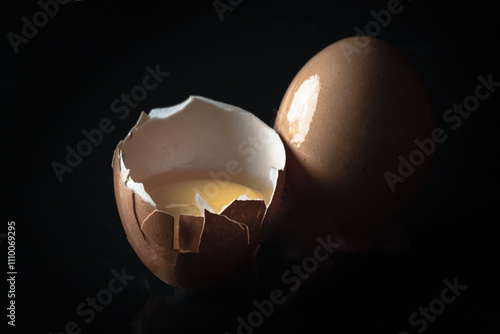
{"type": "Point", "coordinates": [198, 134]}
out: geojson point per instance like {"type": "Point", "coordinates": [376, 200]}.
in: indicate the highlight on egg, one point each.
{"type": "Point", "coordinates": [196, 186]}
{"type": "Point", "coordinates": [346, 117]}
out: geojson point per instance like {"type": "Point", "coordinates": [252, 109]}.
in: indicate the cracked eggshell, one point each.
{"type": "Point", "coordinates": [345, 119]}
{"type": "Point", "coordinates": [197, 134]}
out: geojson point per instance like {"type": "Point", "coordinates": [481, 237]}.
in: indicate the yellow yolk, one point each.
{"type": "Point", "coordinates": [180, 197]}
{"type": "Point", "coordinates": [175, 193]}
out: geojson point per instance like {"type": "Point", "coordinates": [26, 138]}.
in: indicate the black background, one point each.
{"type": "Point", "coordinates": [69, 236]}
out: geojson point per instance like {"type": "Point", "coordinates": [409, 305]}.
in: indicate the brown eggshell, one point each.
{"type": "Point", "coordinates": [129, 204]}
{"type": "Point", "coordinates": [203, 249]}
{"type": "Point", "coordinates": [190, 232]}
{"type": "Point", "coordinates": [238, 211]}
{"type": "Point", "coordinates": [345, 118]}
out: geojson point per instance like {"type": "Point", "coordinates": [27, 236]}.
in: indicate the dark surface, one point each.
{"type": "Point", "coordinates": [69, 236]}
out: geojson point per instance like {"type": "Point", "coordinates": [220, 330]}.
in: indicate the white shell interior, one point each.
{"type": "Point", "coordinates": [200, 133]}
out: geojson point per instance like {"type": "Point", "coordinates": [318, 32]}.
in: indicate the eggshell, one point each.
{"type": "Point", "coordinates": [197, 134]}
{"type": "Point", "coordinates": [345, 118]}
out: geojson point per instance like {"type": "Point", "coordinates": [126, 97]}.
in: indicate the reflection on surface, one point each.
{"type": "Point", "coordinates": [245, 303]}
{"type": "Point", "coordinates": [302, 109]}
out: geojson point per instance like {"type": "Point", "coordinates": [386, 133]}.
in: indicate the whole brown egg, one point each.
{"type": "Point", "coordinates": [350, 120]}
